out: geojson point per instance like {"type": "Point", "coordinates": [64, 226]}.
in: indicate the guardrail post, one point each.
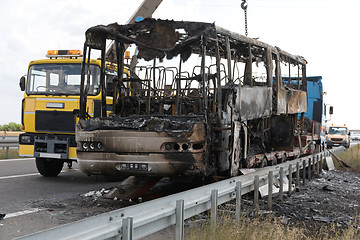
{"type": "Point", "coordinates": [270, 184]}
{"type": "Point", "coordinates": [127, 228]}
{"type": "Point", "coordinates": [290, 179]}
{"type": "Point", "coordinates": [179, 232]}
{"type": "Point", "coordinates": [313, 165]}
{"type": "Point", "coordinates": [214, 205]}
{"type": "Point", "coordinates": [7, 152]}
{"type": "Point", "coordinates": [238, 201]}
{"type": "Point", "coordinates": [256, 192]}
{"type": "Point", "coordinates": [304, 171]}
{"type": "Point", "coordinates": [297, 183]}
{"type": "Point", "coordinates": [321, 161]}
{"type": "Point", "coordinates": [309, 169]}
{"type": "Point", "coordinates": [281, 189]}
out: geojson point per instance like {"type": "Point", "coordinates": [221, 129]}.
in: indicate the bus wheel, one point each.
{"type": "Point", "coordinates": [263, 163]}
{"type": "Point", "coordinates": [281, 159]}
{"type": "Point", "coordinates": [273, 161]}
{"type": "Point", "coordinates": [49, 167]}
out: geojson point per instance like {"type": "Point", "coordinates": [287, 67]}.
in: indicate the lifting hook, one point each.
{"type": "Point", "coordinates": [244, 5]}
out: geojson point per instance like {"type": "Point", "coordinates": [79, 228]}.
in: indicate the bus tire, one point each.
{"type": "Point", "coordinates": [49, 167]}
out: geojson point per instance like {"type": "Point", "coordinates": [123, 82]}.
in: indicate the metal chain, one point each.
{"type": "Point", "coordinates": [244, 7]}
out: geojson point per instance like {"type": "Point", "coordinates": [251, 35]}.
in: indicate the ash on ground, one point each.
{"type": "Point", "coordinates": [331, 199]}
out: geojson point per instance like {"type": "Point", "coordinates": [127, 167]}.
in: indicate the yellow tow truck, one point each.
{"type": "Point", "coordinates": [50, 105]}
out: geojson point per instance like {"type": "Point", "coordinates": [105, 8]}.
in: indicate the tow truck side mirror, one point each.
{"type": "Point", "coordinates": [22, 83]}
{"type": "Point", "coordinates": [331, 110]}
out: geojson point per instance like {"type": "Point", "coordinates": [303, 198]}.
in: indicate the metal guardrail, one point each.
{"type": "Point", "coordinates": [143, 219]}
{"type": "Point", "coordinates": [9, 142]}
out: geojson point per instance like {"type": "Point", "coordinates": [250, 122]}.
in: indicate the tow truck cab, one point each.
{"type": "Point", "coordinates": [51, 100]}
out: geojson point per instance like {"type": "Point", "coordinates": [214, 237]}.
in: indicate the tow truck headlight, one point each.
{"type": "Point", "coordinates": [25, 139]}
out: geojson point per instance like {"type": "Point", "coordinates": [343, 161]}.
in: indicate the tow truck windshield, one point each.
{"type": "Point", "coordinates": [60, 79]}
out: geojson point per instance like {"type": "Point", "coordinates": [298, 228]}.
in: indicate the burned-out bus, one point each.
{"type": "Point", "coordinates": [200, 101]}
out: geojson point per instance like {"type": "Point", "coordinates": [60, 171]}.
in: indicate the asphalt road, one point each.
{"type": "Point", "coordinates": [23, 190]}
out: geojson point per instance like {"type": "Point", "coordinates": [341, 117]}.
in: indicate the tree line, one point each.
{"type": "Point", "coordinates": [10, 127]}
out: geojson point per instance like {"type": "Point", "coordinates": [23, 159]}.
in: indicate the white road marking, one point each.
{"type": "Point", "coordinates": [17, 159]}
{"type": "Point", "coordinates": [16, 214]}
{"type": "Point", "coordinates": [34, 174]}
{"type": "Point", "coordinates": [21, 175]}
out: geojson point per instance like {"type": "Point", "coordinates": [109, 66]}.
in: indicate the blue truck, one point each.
{"type": "Point", "coordinates": [315, 114]}
{"type": "Point", "coordinates": [315, 99]}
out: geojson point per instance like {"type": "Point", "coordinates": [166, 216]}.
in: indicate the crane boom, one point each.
{"type": "Point", "coordinates": [145, 10]}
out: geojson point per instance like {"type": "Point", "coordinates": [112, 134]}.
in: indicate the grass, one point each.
{"type": "Point", "coordinates": [268, 228]}
{"type": "Point", "coordinates": [246, 228]}
{"type": "Point", "coordinates": [350, 157]}
{"type": "Point", "coordinates": [13, 153]}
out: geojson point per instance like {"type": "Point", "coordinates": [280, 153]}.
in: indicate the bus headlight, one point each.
{"type": "Point", "coordinates": [91, 146]}
{"type": "Point", "coordinates": [85, 146]}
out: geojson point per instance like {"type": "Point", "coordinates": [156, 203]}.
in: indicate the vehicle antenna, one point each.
{"type": "Point", "coordinates": [244, 7]}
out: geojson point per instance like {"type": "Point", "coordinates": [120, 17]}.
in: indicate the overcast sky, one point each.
{"type": "Point", "coordinates": [325, 32]}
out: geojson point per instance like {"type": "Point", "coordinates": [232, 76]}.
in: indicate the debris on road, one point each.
{"type": "Point", "coordinates": [96, 194]}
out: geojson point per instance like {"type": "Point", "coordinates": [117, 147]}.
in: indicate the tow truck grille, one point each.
{"type": "Point", "coordinates": [54, 121]}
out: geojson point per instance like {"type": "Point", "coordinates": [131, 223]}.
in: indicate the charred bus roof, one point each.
{"type": "Point", "coordinates": [158, 38]}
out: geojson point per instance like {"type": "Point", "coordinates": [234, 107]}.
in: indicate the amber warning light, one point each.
{"type": "Point", "coordinates": [127, 54]}
{"type": "Point", "coordinates": [64, 53]}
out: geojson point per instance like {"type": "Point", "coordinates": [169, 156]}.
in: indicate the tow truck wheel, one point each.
{"type": "Point", "coordinates": [49, 167]}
